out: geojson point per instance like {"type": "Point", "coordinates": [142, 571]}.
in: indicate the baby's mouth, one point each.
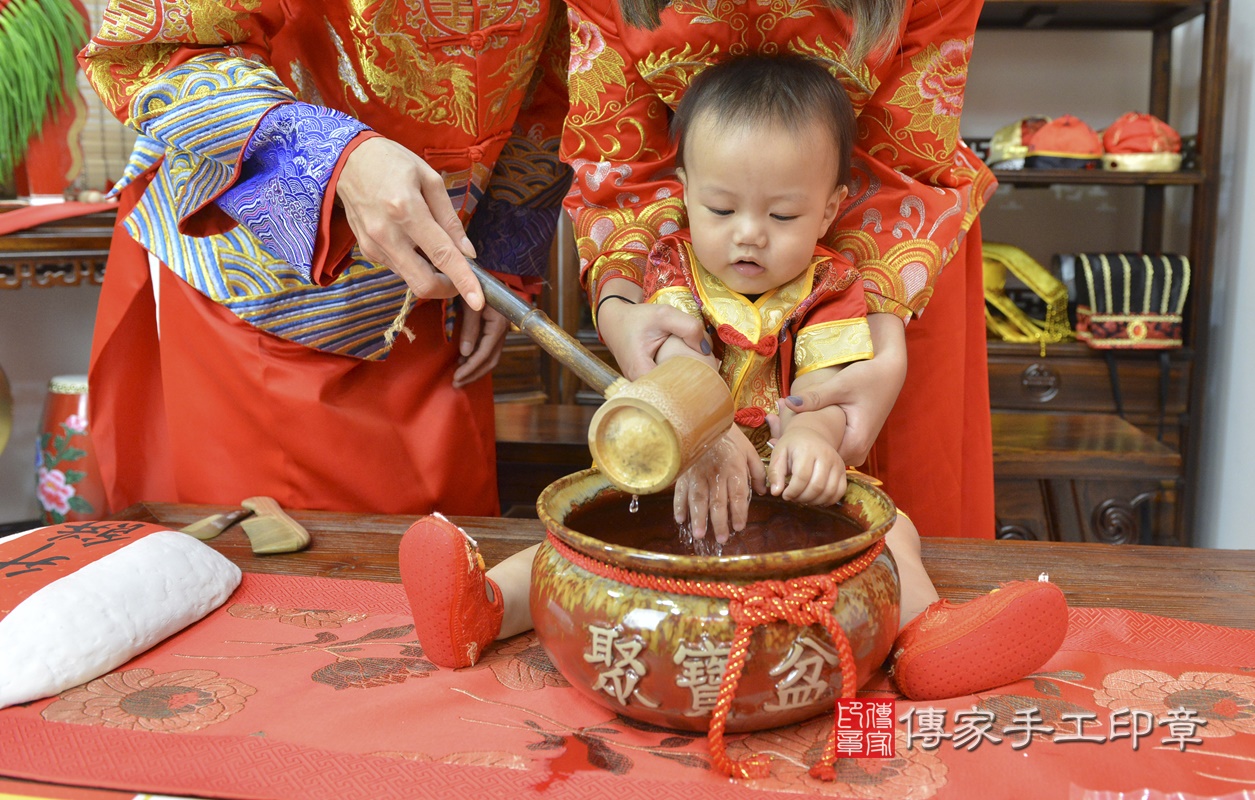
{"type": "Point", "coordinates": [747, 266]}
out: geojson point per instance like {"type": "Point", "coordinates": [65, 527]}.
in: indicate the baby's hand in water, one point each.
{"type": "Point", "coordinates": [714, 493]}
{"type": "Point", "coordinates": [806, 469]}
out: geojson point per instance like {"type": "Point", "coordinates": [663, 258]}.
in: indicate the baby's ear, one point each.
{"type": "Point", "coordinates": [679, 173]}
{"type": "Point", "coordinates": [834, 205]}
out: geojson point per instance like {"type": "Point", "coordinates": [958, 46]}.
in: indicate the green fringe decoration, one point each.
{"type": "Point", "coordinates": [39, 40]}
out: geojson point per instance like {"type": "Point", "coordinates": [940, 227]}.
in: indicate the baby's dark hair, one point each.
{"type": "Point", "coordinates": [789, 90]}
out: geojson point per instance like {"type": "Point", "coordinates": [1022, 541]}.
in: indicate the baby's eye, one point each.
{"type": "Point", "coordinates": [784, 217]}
{"type": "Point", "coordinates": [719, 212]}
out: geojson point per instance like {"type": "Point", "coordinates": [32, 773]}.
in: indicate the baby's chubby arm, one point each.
{"type": "Point", "coordinates": [866, 390]}
{"type": "Point", "coordinates": [806, 466]}
{"type": "Point", "coordinates": [674, 347]}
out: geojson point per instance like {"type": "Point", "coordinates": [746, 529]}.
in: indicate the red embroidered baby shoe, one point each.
{"type": "Point", "coordinates": [953, 649]}
{"type": "Point", "coordinates": [457, 608]}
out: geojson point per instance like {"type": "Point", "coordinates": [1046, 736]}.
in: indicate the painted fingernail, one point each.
{"type": "Point", "coordinates": [793, 400]}
{"type": "Point", "coordinates": [705, 347]}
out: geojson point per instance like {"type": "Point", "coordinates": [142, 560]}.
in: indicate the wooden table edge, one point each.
{"type": "Point", "coordinates": [1209, 586]}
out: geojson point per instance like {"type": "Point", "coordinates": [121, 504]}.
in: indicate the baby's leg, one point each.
{"type": "Point", "coordinates": [917, 588]}
{"type": "Point", "coordinates": [458, 609]}
{"type": "Point", "coordinates": [946, 649]}
{"type": "Point", "coordinates": [513, 577]}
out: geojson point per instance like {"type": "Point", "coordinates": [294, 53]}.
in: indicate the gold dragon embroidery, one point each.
{"type": "Point", "coordinates": [410, 79]}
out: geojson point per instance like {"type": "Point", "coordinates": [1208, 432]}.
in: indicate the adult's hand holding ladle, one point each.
{"type": "Point", "coordinates": [648, 430]}
{"type": "Point", "coordinates": [399, 209]}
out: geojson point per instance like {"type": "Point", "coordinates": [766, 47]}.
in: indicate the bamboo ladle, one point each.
{"type": "Point", "coordinates": [649, 429]}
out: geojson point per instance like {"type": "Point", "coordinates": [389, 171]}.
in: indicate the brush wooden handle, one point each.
{"type": "Point", "coordinates": [262, 505]}
{"type": "Point", "coordinates": [543, 331]}
{"type": "Point", "coordinates": [210, 527]}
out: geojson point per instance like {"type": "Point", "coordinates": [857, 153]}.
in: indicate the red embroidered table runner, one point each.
{"type": "Point", "coordinates": [317, 688]}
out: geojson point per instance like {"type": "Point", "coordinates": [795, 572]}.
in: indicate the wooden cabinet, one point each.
{"type": "Point", "coordinates": [61, 253]}
{"type": "Point", "coordinates": [1163, 402]}
{"type": "Point", "coordinates": [1069, 379]}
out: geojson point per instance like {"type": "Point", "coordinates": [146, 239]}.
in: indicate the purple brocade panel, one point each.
{"type": "Point", "coordinates": [287, 164]}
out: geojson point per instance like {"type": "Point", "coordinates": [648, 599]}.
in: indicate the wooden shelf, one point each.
{"type": "Point", "coordinates": [1088, 14]}
{"type": "Point", "coordinates": [1145, 466]}
{"type": "Point", "coordinates": [1040, 446]}
{"type": "Point", "coordinates": [1077, 350]}
{"type": "Point", "coordinates": [1099, 177]}
{"type": "Point", "coordinates": [67, 252]}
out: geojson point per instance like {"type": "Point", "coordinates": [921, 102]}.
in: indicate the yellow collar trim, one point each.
{"type": "Point", "coordinates": [763, 317]}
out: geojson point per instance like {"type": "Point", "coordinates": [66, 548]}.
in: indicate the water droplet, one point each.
{"type": "Point", "coordinates": [686, 533]}
{"type": "Point", "coordinates": [635, 505]}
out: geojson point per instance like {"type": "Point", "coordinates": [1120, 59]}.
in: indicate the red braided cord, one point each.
{"type": "Point", "coordinates": [765, 347]}
{"type": "Point", "coordinates": [802, 601]}
{"type": "Point", "coordinates": [759, 764]}
{"type": "Point", "coordinates": [824, 769]}
{"type": "Point", "coordinates": [750, 416]}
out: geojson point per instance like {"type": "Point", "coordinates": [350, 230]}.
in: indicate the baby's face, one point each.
{"type": "Point", "coordinates": [758, 198]}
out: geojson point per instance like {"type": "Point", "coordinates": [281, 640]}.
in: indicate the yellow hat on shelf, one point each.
{"type": "Point", "coordinates": [1009, 144]}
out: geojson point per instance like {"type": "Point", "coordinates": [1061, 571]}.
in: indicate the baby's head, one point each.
{"type": "Point", "coordinates": [764, 156]}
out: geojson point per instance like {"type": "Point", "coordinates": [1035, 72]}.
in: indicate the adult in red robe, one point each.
{"type": "Point", "coordinates": [266, 326]}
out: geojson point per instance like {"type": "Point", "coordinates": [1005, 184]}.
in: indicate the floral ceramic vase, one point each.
{"type": "Point", "coordinates": [68, 484]}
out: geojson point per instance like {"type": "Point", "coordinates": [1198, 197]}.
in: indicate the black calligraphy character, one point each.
{"type": "Point", "coordinates": [30, 563]}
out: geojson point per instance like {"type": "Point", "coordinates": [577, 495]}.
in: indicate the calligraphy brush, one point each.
{"type": "Point", "coordinates": [270, 530]}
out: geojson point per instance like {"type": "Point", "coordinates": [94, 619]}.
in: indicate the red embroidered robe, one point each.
{"type": "Point", "coordinates": [266, 373]}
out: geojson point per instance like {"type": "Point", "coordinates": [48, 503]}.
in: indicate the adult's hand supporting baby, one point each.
{"type": "Point", "coordinates": [634, 330]}
{"type": "Point", "coordinates": [716, 488]}
{"type": "Point", "coordinates": [865, 390]}
{"type": "Point", "coordinates": [396, 204]}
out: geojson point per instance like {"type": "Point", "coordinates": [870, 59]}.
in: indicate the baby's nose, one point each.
{"type": "Point", "coordinates": [751, 232]}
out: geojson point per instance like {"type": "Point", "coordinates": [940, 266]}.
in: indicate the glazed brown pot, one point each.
{"type": "Point", "coordinates": [658, 656]}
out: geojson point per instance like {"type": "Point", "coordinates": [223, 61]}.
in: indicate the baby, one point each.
{"type": "Point", "coordinates": [764, 155]}
{"type": "Point", "coordinates": [764, 149]}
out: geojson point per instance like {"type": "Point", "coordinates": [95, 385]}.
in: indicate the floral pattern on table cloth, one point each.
{"type": "Point", "coordinates": [319, 688]}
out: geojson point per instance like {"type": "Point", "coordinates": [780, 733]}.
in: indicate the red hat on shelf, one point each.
{"type": "Point", "coordinates": [1141, 143]}
{"type": "Point", "coordinates": [1064, 143]}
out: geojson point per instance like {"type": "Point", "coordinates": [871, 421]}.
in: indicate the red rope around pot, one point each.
{"type": "Point", "coordinates": [802, 601]}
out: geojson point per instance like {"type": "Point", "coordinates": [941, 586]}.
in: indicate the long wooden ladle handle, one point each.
{"type": "Point", "coordinates": [539, 328]}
